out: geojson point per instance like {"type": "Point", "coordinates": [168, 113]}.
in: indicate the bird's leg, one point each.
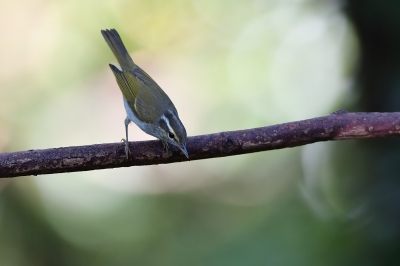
{"type": "Point", "coordinates": [127, 121]}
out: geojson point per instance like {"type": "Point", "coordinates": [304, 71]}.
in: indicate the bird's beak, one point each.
{"type": "Point", "coordinates": [184, 150]}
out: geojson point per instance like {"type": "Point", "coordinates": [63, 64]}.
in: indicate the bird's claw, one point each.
{"type": "Point", "coordinates": [165, 145]}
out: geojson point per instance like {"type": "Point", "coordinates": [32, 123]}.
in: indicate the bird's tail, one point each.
{"type": "Point", "coordinates": [118, 48]}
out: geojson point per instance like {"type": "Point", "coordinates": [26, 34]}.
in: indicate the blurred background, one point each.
{"type": "Point", "coordinates": [227, 65]}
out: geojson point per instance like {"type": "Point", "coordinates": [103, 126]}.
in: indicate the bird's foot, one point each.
{"type": "Point", "coordinates": [165, 145]}
{"type": "Point", "coordinates": [127, 151]}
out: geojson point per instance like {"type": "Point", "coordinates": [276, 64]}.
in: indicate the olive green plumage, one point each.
{"type": "Point", "coordinates": [146, 104]}
{"type": "Point", "coordinates": [144, 96]}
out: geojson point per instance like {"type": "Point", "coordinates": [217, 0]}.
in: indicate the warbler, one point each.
{"type": "Point", "coordinates": [146, 104]}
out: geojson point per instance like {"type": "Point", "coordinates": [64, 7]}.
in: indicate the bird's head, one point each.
{"type": "Point", "coordinates": [172, 131]}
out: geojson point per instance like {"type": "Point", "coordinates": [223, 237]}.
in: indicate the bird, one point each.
{"type": "Point", "coordinates": [146, 104]}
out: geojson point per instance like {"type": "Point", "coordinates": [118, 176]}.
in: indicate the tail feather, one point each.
{"type": "Point", "coordinates": [118, 48]}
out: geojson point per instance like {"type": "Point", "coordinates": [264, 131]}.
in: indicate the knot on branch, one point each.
{"type": "Point", "coordinates": [229, 144]}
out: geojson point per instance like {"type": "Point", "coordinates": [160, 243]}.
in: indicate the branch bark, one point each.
{"type": "Point", "coordinates": [339, 125]}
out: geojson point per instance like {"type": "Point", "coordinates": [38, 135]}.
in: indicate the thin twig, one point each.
{"type": "Point", "coordinates": [339, 125]}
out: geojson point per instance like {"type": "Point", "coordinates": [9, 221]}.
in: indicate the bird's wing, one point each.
{"type": "Point", "coordinates": [146, 99]}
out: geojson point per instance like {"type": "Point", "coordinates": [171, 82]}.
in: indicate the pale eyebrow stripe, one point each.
{"type": "Point", "coordinates": [163, 117]}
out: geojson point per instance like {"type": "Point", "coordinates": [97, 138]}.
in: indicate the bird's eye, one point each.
{"type": "Point", "coordinates": [171, 135]}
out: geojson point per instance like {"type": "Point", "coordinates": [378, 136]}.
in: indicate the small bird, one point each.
{"type": "Point", "coordinates": [146, 104]}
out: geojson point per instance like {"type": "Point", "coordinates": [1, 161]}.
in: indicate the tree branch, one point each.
{"type": "Point", "coordinates": [339, 125]}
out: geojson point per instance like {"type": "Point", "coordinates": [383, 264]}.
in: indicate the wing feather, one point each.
{"type": "Point", "coordinates": [126, 83]}
{"type": "Point", "coordinates": [146, 99]}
